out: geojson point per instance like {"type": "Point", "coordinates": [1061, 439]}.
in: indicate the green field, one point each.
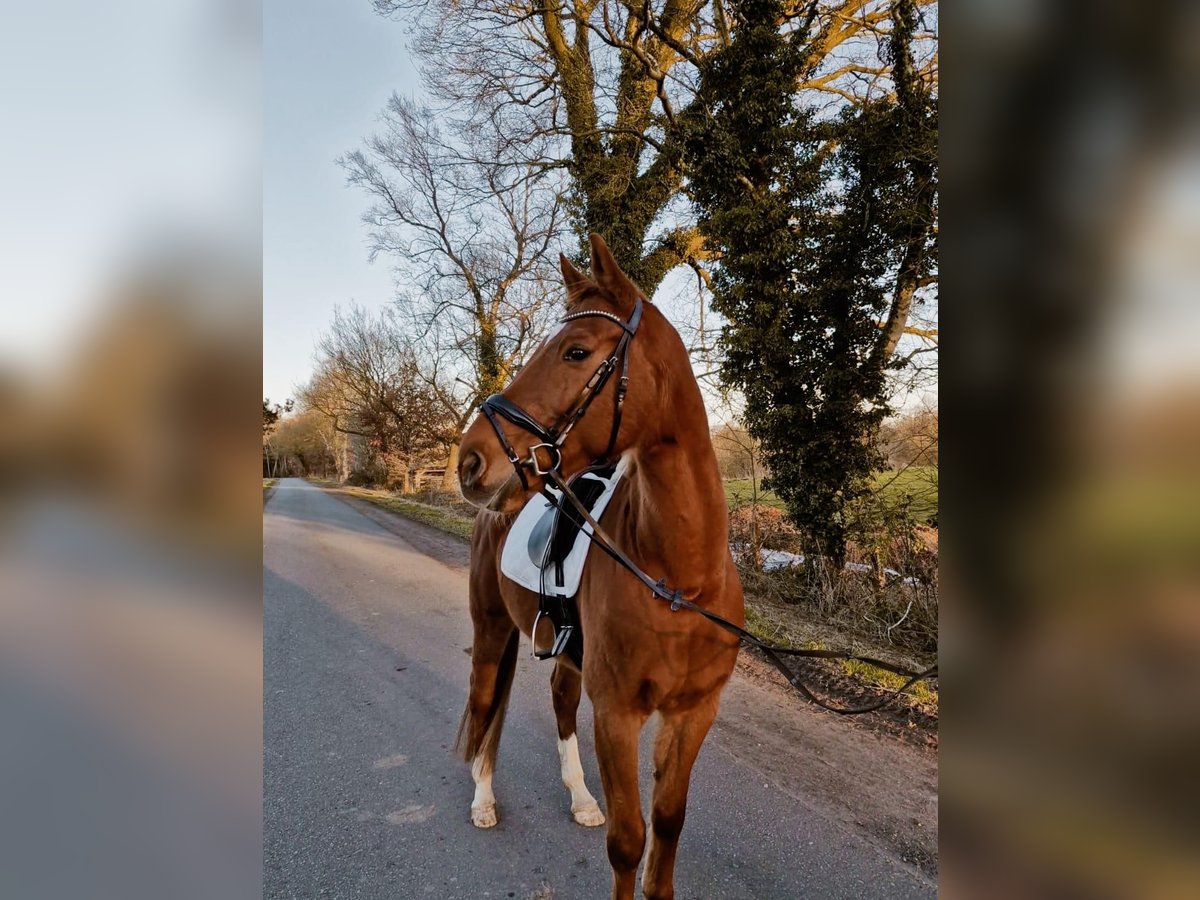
{"type": "Point", "coordinates": [739, 491]}
{"type": "Point", "coordinates": [917, 485]}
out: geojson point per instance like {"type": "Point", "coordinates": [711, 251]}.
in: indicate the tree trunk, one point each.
{"type": "Point", "coordinates": [911, 100]}
{"type": "Point", "coordinates": [450, 478]}
{"type": "Point", "coordinates": [906, 287]}
{"type": "Point", "coordinates": [491, 369]}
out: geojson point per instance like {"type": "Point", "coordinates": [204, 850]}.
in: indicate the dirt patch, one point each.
{"type": "Point", "coordinates": [910, 721]}
{"type": "Point", "coordinates": [390, 762]}
{"type": "Point", "coordinates": [854, 769]}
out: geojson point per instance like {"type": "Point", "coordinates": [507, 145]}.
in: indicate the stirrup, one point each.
{"type": "Point", "coordinates": [562, 637]}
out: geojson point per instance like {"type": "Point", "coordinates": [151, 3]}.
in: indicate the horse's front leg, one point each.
{"type": "Point", "coordinates": [617, 731]}
{"type": "Point", "coordinates": [675, 749]}
{"type": "Point", "coordinates": [565, 684]}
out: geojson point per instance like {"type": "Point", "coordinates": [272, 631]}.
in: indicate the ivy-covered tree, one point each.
{"type": "Point", "coordinates": [825, 229]}
{"type": "Point", "coordinates": [598, 88]}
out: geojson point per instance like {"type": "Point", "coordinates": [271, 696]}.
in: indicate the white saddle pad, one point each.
{"type": "Point", "coordinates": [525, 546]}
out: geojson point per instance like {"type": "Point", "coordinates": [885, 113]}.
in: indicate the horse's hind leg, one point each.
{"type": "Point", "coordinates": [675, 749]}
{"type": "Point", "coordinates": [565, 684]}
{"type": "Point", "coordinates": [493, 663]}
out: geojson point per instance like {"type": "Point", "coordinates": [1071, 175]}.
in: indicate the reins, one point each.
{"type": "Point", "coordinates": [600, 538]}
{"type": "Point", "coordinates": [552, 439]}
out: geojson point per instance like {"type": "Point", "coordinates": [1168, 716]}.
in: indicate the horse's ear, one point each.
{"type": "Point", "coordinates": [607, 273]}
{"type": "Point", "coordinates": [575, 280]}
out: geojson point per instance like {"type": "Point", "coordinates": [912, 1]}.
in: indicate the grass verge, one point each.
{"type": "Point", "coordinates": [438, 517]}
{"type": "Point", "coordinates": [268, 486]}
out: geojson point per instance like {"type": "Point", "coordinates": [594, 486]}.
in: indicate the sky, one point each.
{"type": "Point", "coordinates": [130, 130]}
{"type": "Point", "coordinates": [329, 67]}
{"type": "Point", "coordinates": [154, 126]}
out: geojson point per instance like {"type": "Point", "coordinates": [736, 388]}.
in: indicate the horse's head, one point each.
{"type": "Point", "coordinates": [573, 381]}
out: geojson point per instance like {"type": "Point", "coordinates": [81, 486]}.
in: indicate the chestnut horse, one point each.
{"type": "Point", "coordinates": [668, 515]}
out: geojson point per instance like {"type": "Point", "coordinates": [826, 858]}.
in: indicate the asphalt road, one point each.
{"type": "Point", "coordinates": [365, 675]}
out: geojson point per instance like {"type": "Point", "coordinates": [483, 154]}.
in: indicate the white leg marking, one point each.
{"type": "Point", "coordinates": [483, 807]}
{"type": "Point", "coordinates": [584, 807]}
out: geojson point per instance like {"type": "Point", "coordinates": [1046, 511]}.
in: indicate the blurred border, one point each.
{"type": "Point", "coordinates": [130, 510]}
{"type": "Point", "coordinates": [1071, 631]}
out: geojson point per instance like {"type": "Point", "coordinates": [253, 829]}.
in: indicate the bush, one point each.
{"type": "Point", "coordinates": [758, 525]}
{"type": "Point", "coordinates": [888, 591]}
{"type": "Point", "coordinates": [395, 473]}
{"type": "Point", "coordinates": [365, 476]}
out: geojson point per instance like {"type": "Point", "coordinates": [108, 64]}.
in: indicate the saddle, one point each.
{"type": "Point", "coordinates": [546, 550]}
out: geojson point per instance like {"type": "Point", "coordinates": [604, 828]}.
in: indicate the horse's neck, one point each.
{"type": "Point", "coordinates": [681, 521]}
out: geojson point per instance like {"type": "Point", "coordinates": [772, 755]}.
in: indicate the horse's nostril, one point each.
{"type": "Point", "coordinates": [470, 468]}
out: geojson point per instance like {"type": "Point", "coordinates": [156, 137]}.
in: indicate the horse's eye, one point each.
{"type": "Point", "coordinates": [577, 354]}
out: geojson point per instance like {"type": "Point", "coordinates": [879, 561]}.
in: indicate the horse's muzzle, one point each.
{"type": "Point", "coordinates": [473, 470]}
{"type": "Point", "coordinates": [471, 467]}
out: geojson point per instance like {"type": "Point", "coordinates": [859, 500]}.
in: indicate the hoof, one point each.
{"type": "Point", "coordinates": [484, 816]}
{"type": "Point", "coordinates": [588, 816]}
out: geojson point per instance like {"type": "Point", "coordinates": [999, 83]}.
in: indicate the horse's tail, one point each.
{"type": "Point", "coordinates": [481, 734]}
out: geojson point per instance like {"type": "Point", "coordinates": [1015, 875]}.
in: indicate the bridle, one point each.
{"type": "Point", "coordinates": [551, 440]}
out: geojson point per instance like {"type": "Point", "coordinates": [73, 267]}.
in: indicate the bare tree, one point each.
{"type": "Point", "coordinates": [911, 439]}
{"type": "Point", "coordinates": [600, 88]}
{"type": "Point", "coordinates": [307, 443]}
{"type": "Point", "coordinates": [474, 239]}
{"type": "Point", "coordinates": [738, 454]}
{"type": "Point", "coordinates": [369, 383]}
